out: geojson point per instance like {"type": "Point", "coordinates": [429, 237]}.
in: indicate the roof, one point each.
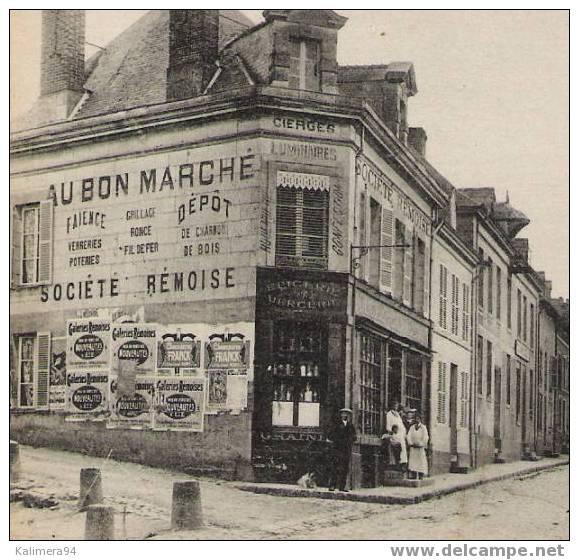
{"type": "Point", "coordinates": [132, 70]}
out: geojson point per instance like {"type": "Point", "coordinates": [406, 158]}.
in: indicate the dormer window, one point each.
{"type": "Point", "coordinates": [304, 72]}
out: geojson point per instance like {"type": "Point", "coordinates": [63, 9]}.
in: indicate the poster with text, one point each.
{"type": "Point", "coordinates": [57, 378]}
{"type": "Point", "coordinates": [87, 394]}
{"type": "Point", "coordinates": [132, 409]}
{"type": "Point", "coordinates": [178, 349]}
{"type": "Point", "coordinates": [88, 344]}
{"type": "Point", "coordinates": [180, 403]}
{"type": "Point", "coordinates": [134, 352]}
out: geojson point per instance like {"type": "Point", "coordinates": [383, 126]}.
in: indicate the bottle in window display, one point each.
{"type": "Point", "coordinates": [303, 370]}
{"type": "Point", "coordinates": [288, 394]}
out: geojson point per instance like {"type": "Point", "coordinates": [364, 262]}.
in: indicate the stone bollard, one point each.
{"type": "Point", "coordinates": [14, 461]}
{"type": "Point", "coordinates": [100, 523]}
{"type": "Point", "coordinates": [91, 489]}
{"type": "Point", "coordinates": [186, 511]}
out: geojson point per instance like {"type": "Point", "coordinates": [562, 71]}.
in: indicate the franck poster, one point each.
{"type": "Point", "coordinates": [180, 403]}
{"type": "Point", "coordinates": [178, 348]}
{"type": "Point", "coordinates": [88, 344]}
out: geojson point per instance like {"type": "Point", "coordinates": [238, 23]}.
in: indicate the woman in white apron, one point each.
{"type": "Point", "coordinates": [417, 438]}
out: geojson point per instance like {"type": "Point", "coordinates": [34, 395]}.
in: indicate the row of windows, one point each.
{"type": "Point", "coordinates": [459, 307]}
{"type": "Point", "coordinates": [490, 298]}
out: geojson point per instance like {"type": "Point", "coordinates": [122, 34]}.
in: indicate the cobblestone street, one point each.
{"type": "Point", "coordinates": [529, 507]}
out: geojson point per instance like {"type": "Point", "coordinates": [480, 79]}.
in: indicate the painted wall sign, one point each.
{"type": "Point", "coordinates": [305, 124]}
{"type": "Point", "coordinates": [303, 151]}
{"type": "Point", "coordinates": [134, 349]}
{"type": "Point", "coordinates": [180, 403]}
{"type": "Point", "coordinates": [304, 295]}
{"type": "Point", "coordinates": [391, 195]}
{"type": "Point", "coordinates": [88, 343]}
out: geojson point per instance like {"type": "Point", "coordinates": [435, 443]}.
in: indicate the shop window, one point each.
{"type": "Point", "coordinates": [33, 370]}
{"type": "Point", "coordinates": [399, 259]}
{"type": "Point", "coordinates": [302, 227]}
{"type": "Point", "coordinates": [413, 380]}
{"type": "Point", "coordinates": [298, 368]}
{"type": "Point", "coordinates": [370, 385]}
{"type": "Point", "coordinates": [394, 373]}
{"type": "Point", "coordinates": [304, 71]}
{"type": "Point", "coordinates": [508, 383]}
{"type": "Point", "coordinates": [464, 399]}
{"type": "Point", "coordinates": [454, 304]}
{"type": "Point", "coordinates": [32, 228]}
{"type": "Point", "coordinates": [441, 393]}
{"type": "Point", "coordinates": [465, 311]}
{"type": "Point", "coordinates": [443, 293]}
{"type": "Point", "coordinates": [489, 368]}
{"type": "Point", "coordinates": [479, 364]}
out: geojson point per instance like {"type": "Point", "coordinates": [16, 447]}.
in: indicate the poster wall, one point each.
{"type": "Point", "coordinates": [57, 385]}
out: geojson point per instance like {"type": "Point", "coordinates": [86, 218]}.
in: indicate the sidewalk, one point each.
{"type": "Point", "coordinates": [441, 485]}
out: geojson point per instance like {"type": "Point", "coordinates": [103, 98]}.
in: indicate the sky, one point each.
{"type": "Point", "coordinates": [493, 97]}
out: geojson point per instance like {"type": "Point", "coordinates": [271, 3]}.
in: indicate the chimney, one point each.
{"type": "Point", "coordinates": [547, 288]}
{"type": "Point", "coordinates": [417, 140]}
{"type": "Point", "coordinates": [193, 50]}
{"type": "Point", "coordinates": [62, 61]}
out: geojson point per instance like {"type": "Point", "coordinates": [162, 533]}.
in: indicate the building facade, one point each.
{"type": "Point", "coordinates": [220, 237]}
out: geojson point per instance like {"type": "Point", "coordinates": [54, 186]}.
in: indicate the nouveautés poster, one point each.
{"type": "Point", "coordinates": [87, 393]}
{"type": "Point", "coordinates": [134, 349]}
{"type": "Point", "coordinates": [132, 409]}
{"type": "Point", "coordinates": [88, 344]}
{"type": "Point", "coordinates": [180, 403]}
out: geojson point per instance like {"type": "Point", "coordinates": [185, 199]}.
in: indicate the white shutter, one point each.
{"type": "Point", "coordinates": [408, 267]}
{"type": "Point", "coordinates": [42, 370]}
{"type": "Point", "coordinates": [46, 217]}
{"type": "Point", "coordinates": [386, 252]}
{"type": "Point", "coordinates": [427, 265]}
{"type": "Point", "coordinates": [16, 248]}
{"type": "Point", "coordinates": [441, 412]}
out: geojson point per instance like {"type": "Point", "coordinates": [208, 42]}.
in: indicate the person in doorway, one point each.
{"type": "Point", "coordinates": [342, 438]}
{"type": "Point", "coordinates": [417, 439]}
{"type": "Point", "coordinates": [393, 418]}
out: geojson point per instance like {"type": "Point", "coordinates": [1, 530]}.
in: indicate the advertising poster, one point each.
{"type": "Point", "coordinates": [57, 385]}
{"type": "Point", "coordinates": [228, 364]}
{"type": "Point", "coordinates": [178, 349]}
{"type": "Point", "coordinates": [180, 403]}
{"type": "Point", "coordinates": [134, 351]}
{"type": "Point", "coordinates": [86, 394]}
{"type": "Point", "coordinates": [132, 409]}
{"type": "Point", "coordinates": [88, 344]}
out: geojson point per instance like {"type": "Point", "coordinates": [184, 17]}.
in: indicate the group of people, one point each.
{"type": "Point", "coordinates": [406, 447]}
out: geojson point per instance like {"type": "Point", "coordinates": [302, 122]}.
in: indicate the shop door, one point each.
{"type": "Point", "coordinates": [498, 392]}
{"type": "Point", "coordinates": [453, 412]}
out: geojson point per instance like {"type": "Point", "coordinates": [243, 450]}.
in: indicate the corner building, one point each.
{"type": "Point", "coordinates": [210, 180]}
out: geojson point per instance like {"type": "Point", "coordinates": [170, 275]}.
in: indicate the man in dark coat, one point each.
{"type": "Point", "coordinates": [342, 437]}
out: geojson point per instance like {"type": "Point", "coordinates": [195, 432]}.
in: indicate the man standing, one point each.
{"type": "Point", "coordinates": [342, 437]}
{"type": "Point", "coordinates": [417, 438]}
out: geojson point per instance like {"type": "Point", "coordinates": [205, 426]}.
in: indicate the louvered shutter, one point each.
{"type": "Point", "coordinates": [42, 369]}
{"type": "Point", "coordinates": [427, 265]}
{"type": "Point", "coordinates": [408, 267]}
{"type": "Point", "coordinates": [441, 416]}
{"type": "Point", "coordinates": [45, 242]}
{"type": "Point", "coordinates": [386, 252]}
{"type": "Point", "coordinates": [16, 248]}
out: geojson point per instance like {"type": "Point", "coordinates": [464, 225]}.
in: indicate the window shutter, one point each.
{"type": "Point", "coordinates": [16, 249]}
{"type": "Point", "coordinates": [442, 311]}
{"type": "Point", "coordinates": [45, 242]}
{"type": "Point", "coordinates": [426, 312]}
{"type": "Point", "coordinates": [42, 369]}
{"type": "Point", "coordinates": [408, 267]}
{"type": "Point", "coordinates": [386, 252]}
{"type": "Point", "coordinates": [441, 416]}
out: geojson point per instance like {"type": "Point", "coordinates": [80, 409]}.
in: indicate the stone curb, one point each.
{"type": "Point", "coordinates": [291, 492]}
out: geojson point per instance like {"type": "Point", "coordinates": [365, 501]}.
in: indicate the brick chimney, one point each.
{"type": "Point", "coordinates": [62, 74]}
{"type": "Point", "coordinates": [193, 50]}
{"type": "Point", "coordinates": [417, 140]}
